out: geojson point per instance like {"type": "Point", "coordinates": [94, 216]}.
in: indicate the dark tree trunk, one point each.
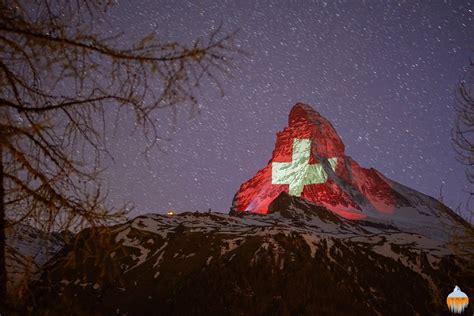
{"type": "Point", "coordinates": [3, 270]}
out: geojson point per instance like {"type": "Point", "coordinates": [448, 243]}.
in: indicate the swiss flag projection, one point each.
{"type": "Point", "coordinates": [309, 161]}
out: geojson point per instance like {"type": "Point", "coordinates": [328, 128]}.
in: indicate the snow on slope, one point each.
{"type": "Point", "coordinates": [28, 249]}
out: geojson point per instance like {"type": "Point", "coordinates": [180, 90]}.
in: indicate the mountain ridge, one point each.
{"type": "Point", "coordinates": [254, 264]}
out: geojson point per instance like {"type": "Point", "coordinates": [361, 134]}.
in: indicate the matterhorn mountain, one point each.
{"type": "Point", "coordinates": [312, 233]}
{"type": "Point", "coordinates": [309, 162]}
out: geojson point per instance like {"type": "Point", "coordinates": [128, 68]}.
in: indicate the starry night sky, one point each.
{"type": "Point", "coordinates": [384, 73]}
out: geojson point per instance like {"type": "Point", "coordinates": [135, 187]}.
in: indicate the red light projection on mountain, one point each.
{"type": "Point", "coordinates": [309, 161]}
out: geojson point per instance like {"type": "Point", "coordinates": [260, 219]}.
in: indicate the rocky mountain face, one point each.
{"type": "Point", "coordinates": [309, 161]}
{"type": "Point", "coordinates": [313, 233]}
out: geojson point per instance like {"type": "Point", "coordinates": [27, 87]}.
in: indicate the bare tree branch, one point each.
{"type": "Point", "coordinates": [60, 83]}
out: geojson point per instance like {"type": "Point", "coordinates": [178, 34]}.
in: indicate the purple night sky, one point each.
{"type": "Point", "coordinates": [384, 73]}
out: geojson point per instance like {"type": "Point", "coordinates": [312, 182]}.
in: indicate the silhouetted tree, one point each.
{"type": "Point", "coordinates": [60, 81]}
{"type": "Point", "coordinates": [463, 131]}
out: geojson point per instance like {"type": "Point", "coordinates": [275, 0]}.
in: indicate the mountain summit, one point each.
{"type": "Point", "coordinates": [309, 161]}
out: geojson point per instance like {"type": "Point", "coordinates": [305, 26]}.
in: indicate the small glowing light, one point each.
{"type": "Point", "coordinates": [171, 213]}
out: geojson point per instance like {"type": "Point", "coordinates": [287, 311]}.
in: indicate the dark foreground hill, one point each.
{"type": "Point", "coordinates": [300, 259]}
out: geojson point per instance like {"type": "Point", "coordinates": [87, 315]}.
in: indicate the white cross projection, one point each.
{"type": "Point", "coordinates": [299, 172]}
